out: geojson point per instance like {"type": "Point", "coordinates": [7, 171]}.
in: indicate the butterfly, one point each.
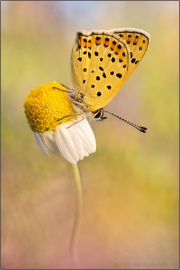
{"type": "Point", "coordinates": [101, 62]}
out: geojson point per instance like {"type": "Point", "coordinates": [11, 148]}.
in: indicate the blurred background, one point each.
{"type": "Point", "coordinates": [130, 185]}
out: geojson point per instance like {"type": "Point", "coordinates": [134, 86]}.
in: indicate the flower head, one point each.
{"type": "Point", "coordinates": [56, 124]}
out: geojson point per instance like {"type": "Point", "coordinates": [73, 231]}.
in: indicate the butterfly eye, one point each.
{"type": "Point", "coordinates": [99, 115]}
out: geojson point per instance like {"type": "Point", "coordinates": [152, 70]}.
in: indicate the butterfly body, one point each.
{"type": "Point", "coordinates": [101, 62]}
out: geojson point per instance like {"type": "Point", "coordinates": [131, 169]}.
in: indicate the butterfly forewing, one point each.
{"type": "Point", "coordinates": [137, 41]}
{"type": "Point", "coordinates": [100, 62]}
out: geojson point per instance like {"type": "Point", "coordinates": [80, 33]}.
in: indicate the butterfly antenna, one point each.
{"type": "Point", "coordinates": [68, 90]}
{"type": "Point", "coordinates": [142, 129]}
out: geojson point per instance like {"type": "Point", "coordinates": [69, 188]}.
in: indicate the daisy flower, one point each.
{"type": "Point", "coordinates": [56, 124]}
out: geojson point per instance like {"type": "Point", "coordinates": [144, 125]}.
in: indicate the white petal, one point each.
{"type": "Point", "coordinates": [40, 144]}
{"type": "Point", "coordinates": [78, 143]}
{"type": "Point", "coordinates": [70, 142]}
{"type": "Point", "coordinates": [49, 141]}
{"type": "Point", "coordinates": [90, 136]}
{"type": "Point", "coordinates": [73, 140]}
{"type": "Point", "coordinates": [86, 145]}
{"type": "Point", "coordinates": [87, 135]}
{"type": "Point", "coordinates": [64, 145]}
{"type": "Point", "coordinates": [82, 136]}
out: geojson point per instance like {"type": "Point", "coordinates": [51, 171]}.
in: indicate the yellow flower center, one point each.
{"type": "Point", "coordinates": [45, 106]}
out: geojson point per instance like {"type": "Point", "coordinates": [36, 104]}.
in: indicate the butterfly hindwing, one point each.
{"type": "Point", "coordinates": [137, 41]}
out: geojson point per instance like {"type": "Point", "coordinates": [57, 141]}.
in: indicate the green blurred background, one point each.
{"type": "Point", "coordinates": [130, 185]}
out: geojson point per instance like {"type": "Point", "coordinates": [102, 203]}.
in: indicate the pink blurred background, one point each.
{"type": "Point", "coordinates": [130, 185]}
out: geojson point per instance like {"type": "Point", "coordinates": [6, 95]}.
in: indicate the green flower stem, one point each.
{"type": "Point", "coordinates": [78, 213]}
